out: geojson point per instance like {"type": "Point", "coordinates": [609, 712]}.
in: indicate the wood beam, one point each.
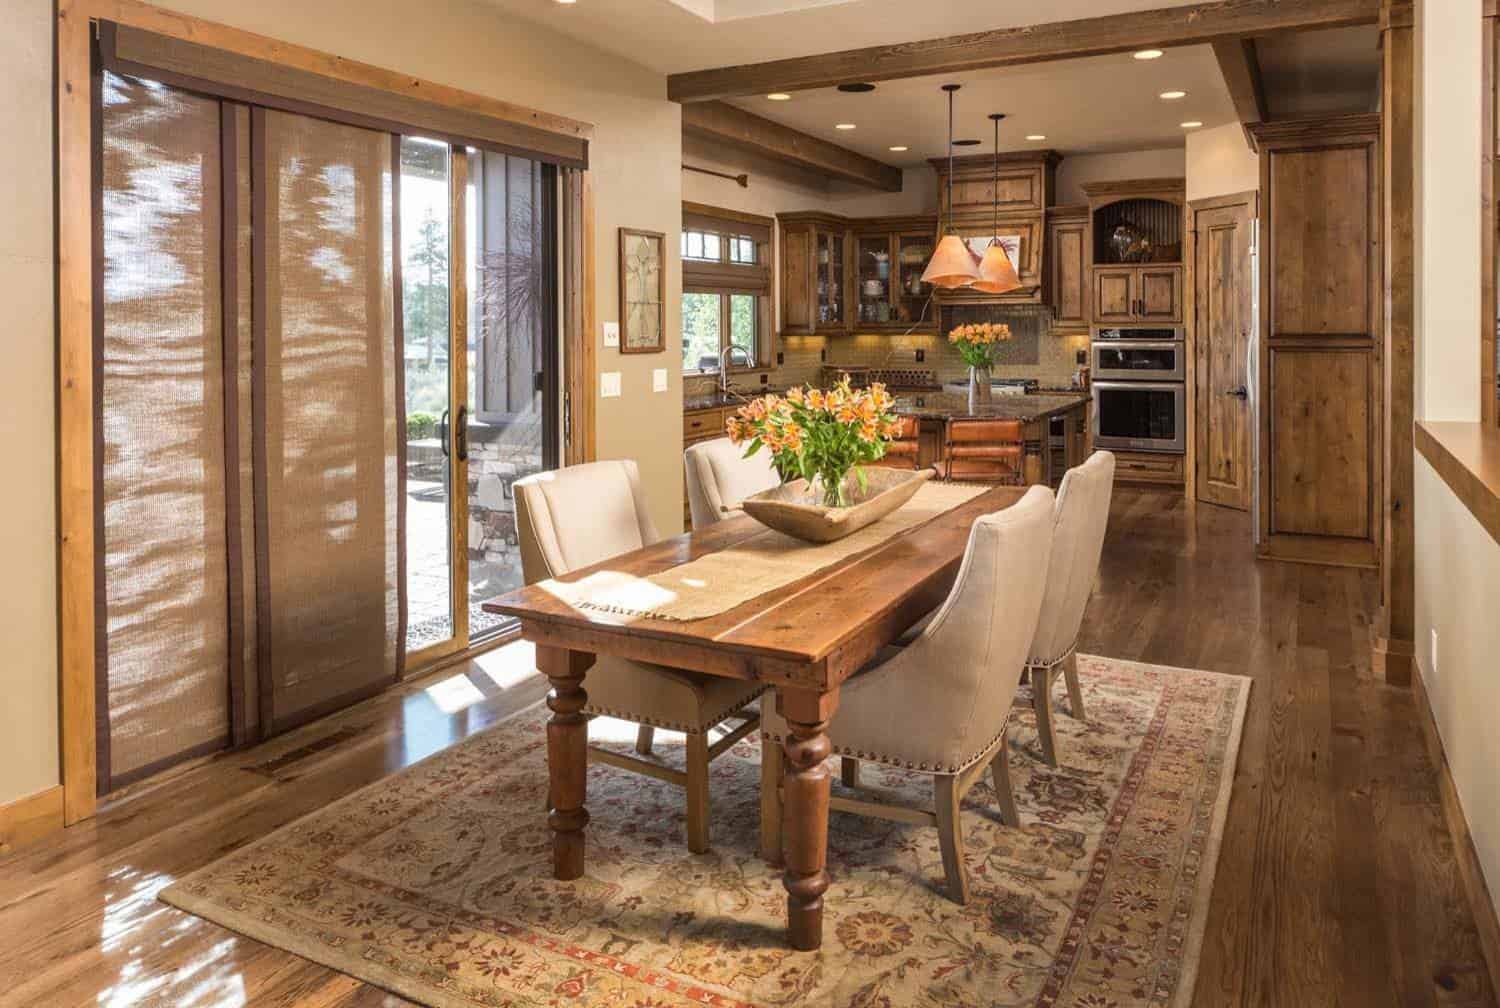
{"type": "Point", "coordinates": [1194, 24]}
{"type": "Point", "coordinates": [727, 124]}
{"type": "Point", "coordinates": [1241, 69]}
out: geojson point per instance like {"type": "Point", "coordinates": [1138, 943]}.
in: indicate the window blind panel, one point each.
{"type": "Point", "coordinates": [279, 86]}
{"type": "Point", "coordinates": [244, 674]}
{"type": "Point", "coordinates": [325, 353]}
{"type": "Point", "coordinates": [165, 588]}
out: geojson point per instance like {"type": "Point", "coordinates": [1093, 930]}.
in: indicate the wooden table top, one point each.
{"type": "Point", "coordinates": [950, 405]}
{"type": "Point", "coordinates": [814, 632]}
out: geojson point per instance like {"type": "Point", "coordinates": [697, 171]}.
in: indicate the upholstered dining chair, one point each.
{"type": "Point", "coordinates": [719, 477]}
{"type": "Point", "coordinates": [1078, 524]}
{"type": "Point", "coordinates": [939, 706]}
{"type": "Point", "coordinates": [904, 448]}
{"type": "Point", "coordinates": [579, 516]}
{"type": "Point", "coordinates": [984, 450]}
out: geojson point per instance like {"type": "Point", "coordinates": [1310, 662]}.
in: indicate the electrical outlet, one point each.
{"type": "Point", "coordinates": [611, 334]}
{"type": "Point", "coordinates": [659, 380]}
{"type": "Point", "coordinates": [921, 355]}
{"type": "Point", "coordinates": [765, 379]}
{"type": "Point", "coordinates": [1433, 657]}
{"type": "Point", "coordinates": [823, 355]}
{"type": "Point", "coordinates": [609, 385]}
{"type": "Point", "coordinates": [780, 358]}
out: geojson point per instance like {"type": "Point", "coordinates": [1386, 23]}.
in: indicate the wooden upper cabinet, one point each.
{"type": "Point", "coordinates": [1159, 293]}
{"type": "Point", "coordinates": [1137, 294]}
{"type": "Point", "coordinates": [1114, 294]}
{"type": "Point", "coordinates": [815, 287]}
{"type": "Point", "coordinates": [1320, 339]}
{"type": "Point", "coordinates": [1027, 181]}
{"type": "Point", "coordinates": [1067, 265]}
{"type": "Point", "coordinates": [1321, 212]}
{"type": "Point", "coordinates": [1141, 284]}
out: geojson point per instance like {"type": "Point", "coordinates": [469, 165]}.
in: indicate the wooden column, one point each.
{"type": "Point", "coordinates": [805, 811]}
{"type": "Point", "coordinates": [1396, 643]}
{"type": "Point", "coordinates": [567, 756]}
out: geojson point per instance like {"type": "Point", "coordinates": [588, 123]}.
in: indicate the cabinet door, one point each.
{"type": "Point", "coordinates": [913, 250]}
{"type": "Point", "coordinates": [1159, 293]}
{"type": "Point", "coordinates": [872, 279]}
{"type": "Point", "coordinates": [832, 280]}
{"type": "Point", "coordinates": [1069, 282]}
{"type": "Point", "coordinates": [798, 274]}
{"type": "Point", "coordinates": [1114, 294]}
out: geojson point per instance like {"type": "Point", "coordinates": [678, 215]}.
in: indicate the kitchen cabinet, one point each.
{"type": "Point", "coordinates": [1067, 265]}
{"type": "Point", "coordinates": [815, 252]}
{"type": "Point", "coordinates": [1027, 182]}
{"type": "Point", "coordinates": [890, 255]}
{"type": "Point", "coordinates": [1137, 294]}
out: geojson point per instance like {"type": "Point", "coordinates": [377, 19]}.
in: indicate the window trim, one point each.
{"type": "Point", "coordinates": [725, 277]}
{"type": "Point", "coordinates": [1489, 304]}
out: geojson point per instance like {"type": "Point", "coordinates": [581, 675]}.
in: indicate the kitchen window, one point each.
{"type": "Point", "coordinates": [726, 282]}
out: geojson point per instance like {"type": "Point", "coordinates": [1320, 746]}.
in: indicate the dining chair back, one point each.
{"type": "Point", "coordinates": [720, 477]}
{"type": "Point", "coordinates": [1080, 518]}
{"type": "Point", "coordinates": [904, 448]}
{"type": "Point", "coordinates": [580, 515]}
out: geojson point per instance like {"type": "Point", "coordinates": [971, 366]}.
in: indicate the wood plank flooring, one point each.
{"type": "Point", "coordinates": [1336, 886]}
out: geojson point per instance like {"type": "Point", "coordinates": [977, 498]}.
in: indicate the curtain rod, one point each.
{"type": "Point", "coordinates": [743, 180]}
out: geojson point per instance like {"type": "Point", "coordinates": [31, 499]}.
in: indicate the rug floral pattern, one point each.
{"type": "Point", "coordinates": [435, 884]}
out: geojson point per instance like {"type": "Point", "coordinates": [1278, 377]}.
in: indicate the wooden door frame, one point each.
{"type": "Point", "coordinates": [1251, 199]}
{"type": "Point", "coordinates": [76, 449]}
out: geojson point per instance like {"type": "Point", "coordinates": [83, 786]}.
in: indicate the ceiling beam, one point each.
{"type": "Point", "coordinates": [1241, 70]}
{"type": "Point", "coordinates": [735, 127]}
{"type": "Point", "coordinates": [1194, 24]}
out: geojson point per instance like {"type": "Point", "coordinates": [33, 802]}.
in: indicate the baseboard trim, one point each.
{"type": "Point", "coordinates": [1395, 660]}
{"type": "Point", "coordinates": [1469, 869]}
{"type": "Point", "coordinates": [27, 820]}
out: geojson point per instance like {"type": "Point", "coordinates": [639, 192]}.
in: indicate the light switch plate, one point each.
{"type": "Point", "coordinates": [609, 385]}
{"type": "Point", "coordinates": [659, 380]}
{"type": "Point", "coordinates": [611, 334]}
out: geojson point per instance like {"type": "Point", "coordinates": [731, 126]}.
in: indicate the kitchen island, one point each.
{"type": "Point", "coordinates": [1055, 426]}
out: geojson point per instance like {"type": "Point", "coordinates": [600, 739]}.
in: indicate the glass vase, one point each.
{"type": "Point", "coordinates": [979, 386]}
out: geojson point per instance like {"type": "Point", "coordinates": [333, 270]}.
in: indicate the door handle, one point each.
{"type": "Point", "coordinates": [463, 433]}
{"type": "Point", "coordinates": [1239, 392]}
{"type": "Point", "coordinates": [443, 434]}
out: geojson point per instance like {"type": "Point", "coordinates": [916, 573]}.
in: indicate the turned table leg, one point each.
{"type": "Point", "coordinates": [567, 756]}
{"type": "Point", "coordinates": [805, 809]}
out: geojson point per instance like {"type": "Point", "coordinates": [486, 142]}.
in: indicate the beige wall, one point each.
{"type": "Point", "coordinates": [1078, 169]}
{"type": "Point", "coordinates": [28, 610]}
{"type": "Point", "coordinates": [636, 154]}
{"type": "Point", "coordinates": [1458, 563]}
{"type": "Point", "coordinates": [1220, 163]}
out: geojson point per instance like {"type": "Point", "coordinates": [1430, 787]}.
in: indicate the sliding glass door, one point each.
{"type": "Point", "coordinates": [478, 238]}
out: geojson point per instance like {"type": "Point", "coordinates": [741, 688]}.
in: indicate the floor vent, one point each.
{"type": "Point", "coordinates": [279, 765]}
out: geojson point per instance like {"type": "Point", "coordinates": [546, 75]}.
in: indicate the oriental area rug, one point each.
{"type": "Point", "coordinates": [435, 883]}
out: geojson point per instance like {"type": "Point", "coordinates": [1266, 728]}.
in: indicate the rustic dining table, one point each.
{"type": "Point", "coordinates": [804, 638]}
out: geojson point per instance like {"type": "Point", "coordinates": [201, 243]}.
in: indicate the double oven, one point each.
{"type": "Point", "coordinates": [1139, 376]}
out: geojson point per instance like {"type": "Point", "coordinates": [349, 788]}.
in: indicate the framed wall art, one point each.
{"type": "Point", "coordinates": [643, 291]}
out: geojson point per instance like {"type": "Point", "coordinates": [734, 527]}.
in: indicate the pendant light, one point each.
{"type": "Point", "coordinates": [997, 274]}
{"type": "Point", "coordinates": [952, 264]}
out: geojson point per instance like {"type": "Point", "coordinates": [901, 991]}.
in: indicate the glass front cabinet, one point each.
{"type": "Point", "coordinates": [842, 276]}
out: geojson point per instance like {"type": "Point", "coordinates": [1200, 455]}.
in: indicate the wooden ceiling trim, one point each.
{"type": "Point", "coordinates": [1241, 69]}
{"type": "Point", "coordinates": [734, 126]}
{"type": "Point", "coordinates": [1194, 24]}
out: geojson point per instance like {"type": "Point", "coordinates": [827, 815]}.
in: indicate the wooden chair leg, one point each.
{"type": "Point", "coordinates": [849, 771]}
{"type": "Point", "coordinates": [1075, 692]}
{"type": "Point", "coordinates": [1041, 701]}
{"type": "Point", "coordinates": [644, 735]}
{"type": "Point", "coordinates": [697, 792]}
{"type": "Point", "coordinates": [1005, 795]}
{"type": "Point", "coordinates": [951, 836]}
{"type": "Point", "coordinates": [770, 801]}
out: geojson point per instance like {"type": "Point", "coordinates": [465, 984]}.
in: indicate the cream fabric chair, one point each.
{"type": "Point", "coordinates": [1079, 521]}
{"type": "Point", "coordinates": [719, 477]}
{"type": "Point", "coordinates": [579, 516]}
{"type": "Point", "coordinates": [939, 706]}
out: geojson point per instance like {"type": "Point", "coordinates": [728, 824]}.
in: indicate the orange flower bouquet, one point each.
{"type": "Point", "coordinates": [976, 342]}
{"type": "Point", "coordinates": [819, 436]}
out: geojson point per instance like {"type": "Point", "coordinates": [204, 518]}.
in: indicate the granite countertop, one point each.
{"type": "Point", "coordinates": [1026, 408]}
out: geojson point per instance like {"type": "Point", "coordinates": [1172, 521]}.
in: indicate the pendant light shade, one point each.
{"type": "Point", "coordinates": [997, 274]}
{"type": "Point", "coordinates": [952, 264]}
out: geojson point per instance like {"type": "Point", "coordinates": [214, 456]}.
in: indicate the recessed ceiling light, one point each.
{"type": "Point", "coordinates": [1148, 54]}
{"type": "Point", "coordinates": [1036, 136]}
{"type": "Point", "coordinates": [1173, 95]}
{"type": "Point", "coordinates": [967, 143]}
{"type": "Point", "coordinates": [857, 88]}
{"type": "Point", "coordinates": [779, 96]}
{"type": "Point", "coordinates": [900, 150]}
{"type": "Point", "coordinates": [1191, 124]}
{"type": "Point", "coordinates": [844, 126]}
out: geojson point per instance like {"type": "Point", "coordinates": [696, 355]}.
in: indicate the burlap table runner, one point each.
{"type": "Point", "coordinates": [720, 581]}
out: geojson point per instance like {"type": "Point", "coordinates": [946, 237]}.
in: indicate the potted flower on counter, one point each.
{"type": "Point", "coordinates": [819, 436]}
{"type": "Point", "coordinates": [976, 345]}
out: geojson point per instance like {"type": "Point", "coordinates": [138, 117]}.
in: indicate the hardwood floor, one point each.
{"type": "Point", "coordinates": [1337, 883]}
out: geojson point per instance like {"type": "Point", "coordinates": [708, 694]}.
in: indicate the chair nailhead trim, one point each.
{"type": "Point", "coordinates": [903, 764]}
{"type": "Point", "coordinates": [632, 716]}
